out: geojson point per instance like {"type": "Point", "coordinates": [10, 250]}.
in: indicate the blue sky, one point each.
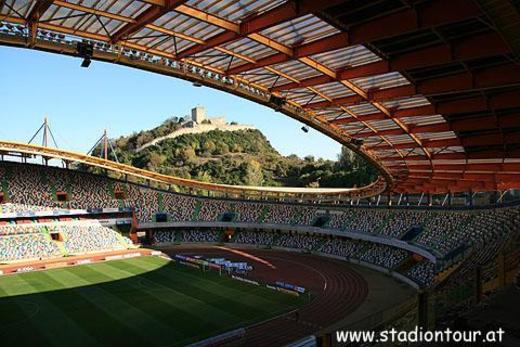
{"type": "Point", "coordinates": [80, 103]}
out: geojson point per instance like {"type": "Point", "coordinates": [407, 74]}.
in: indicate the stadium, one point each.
{"type": "Point", "coordinates": [94, 251]}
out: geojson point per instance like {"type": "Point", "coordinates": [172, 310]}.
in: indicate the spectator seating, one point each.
{"type": "Point", "coordinates": [25, 242]}
{"type": "Point", "coordinates": [165, 236]}
{"type": "Point", "coordinates": [422, 273]}
{"type": "Point", "coordinates": [87, 237]}
{"type": "Point", "coordinates": [33, 240]}
{"type": "Point", "coordinates": [481, 232]}
{"type": "Point", "coordinates": [255, 238]}
{"type": "Point", "coordinates": [24, 209]}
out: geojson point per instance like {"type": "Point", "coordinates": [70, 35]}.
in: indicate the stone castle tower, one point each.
{"type": "Point", "coordinates": [198, 114]}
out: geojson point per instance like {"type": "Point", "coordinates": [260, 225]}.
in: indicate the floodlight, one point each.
{"type": "Point", "coordinates": [357, 142]}
{"type": "Point", "coordinates": [85, 51]}
{"type": "Point", "coordinates": [277, 102]}
{"type": "Point", "coordinates": [86, 62]}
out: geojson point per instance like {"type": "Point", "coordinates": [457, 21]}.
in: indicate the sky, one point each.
{"type": "Point", "coordinates": [81, 102]}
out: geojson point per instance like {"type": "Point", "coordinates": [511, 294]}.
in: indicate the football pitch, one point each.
{"type": "Point", "coordinates": [145, 301]}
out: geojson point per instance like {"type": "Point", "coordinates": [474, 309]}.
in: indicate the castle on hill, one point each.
{"type": "Point", "coordinates": [199, 123]}
{"type": "Point", "coordinates": [198, 117]}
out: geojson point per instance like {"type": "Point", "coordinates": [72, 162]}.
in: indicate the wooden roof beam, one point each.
{"type": "Point", "coordinates": [255, 23]}
{"type": "Point", "coordinates": [465, 49]}
{"type": "Point", "coordinates": [285, 12]}
{"type": "Point", "coordinates": [34, 15]}
{"type": "Point", "coordinates": [39, 8]}
{"type": "Point", "coordinates": [484, 154]}
{"type": "Point", "coordinates": [484, 167]}
{"type": "Point", "coordinates": [423, 16]}
{"type": "Point", "coordinates": [148, 16]}
{"type": "Point", "coordinates": [125, 19]}
{"type": "Point", "coordinates": [467, 141]}
{"type": "Point", "coordinates": [496, 76]}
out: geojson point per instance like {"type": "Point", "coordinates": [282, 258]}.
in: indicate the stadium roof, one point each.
{"type": "Point", "coordinates": [428, 91]}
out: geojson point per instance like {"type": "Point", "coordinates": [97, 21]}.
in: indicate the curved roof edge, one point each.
{"type": "Point", "coordinates": [10, 148]}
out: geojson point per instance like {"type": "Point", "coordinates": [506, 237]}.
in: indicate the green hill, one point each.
{"type": "Point", "coordinates": [236, 157]}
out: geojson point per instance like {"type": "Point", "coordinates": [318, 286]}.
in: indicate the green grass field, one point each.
{"type": "Point", "coordinates": [145, 301]}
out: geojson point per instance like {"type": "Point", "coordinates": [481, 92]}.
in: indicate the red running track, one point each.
{"type": "Point", "coordinates": [338, 290]}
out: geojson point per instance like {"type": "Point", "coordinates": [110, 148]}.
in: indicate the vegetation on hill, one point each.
{"type": "Point", "coordinates": [242, 157]}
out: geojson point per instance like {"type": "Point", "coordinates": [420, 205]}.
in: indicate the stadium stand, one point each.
{"type": "Point", "coordinates": [299, 241]}
{"type": "Point", "coordinates": [453, 235]}
{"type": "Point", "coordinates": [21, 209]}
{"type": "Point", "coordinates": [90, 237]}
{"type": "Point", "coordinates": [479, 229]}
{"type": "Point", "coordinates": [342, 247]}
{"type": "Point", "coordinates": [160, 236]}
{"type": "Point", "coordinates": [34, 241]}
{"type": "Point", "coordinates": [255, 238]}
{"type": "Point", "coordinates": [384, 256]}
{"type": "Point", "coordinates": [376, 254]}
{"type": "Point", "coordinates": [165, 236]}
{"type": "Point", "coordinates": [423, 273]}
{"type": "Point", "coordinates": [25, 242]}
{"type": "Point", "coordinates": [197, 236]}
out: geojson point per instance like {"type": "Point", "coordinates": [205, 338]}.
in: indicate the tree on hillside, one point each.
{"type": "Point", "coordinates": [346, 158]}
{"type": "Point", "coordinates": [188, 155]}
{"type": "Point", "coordinates": [253, 173]}
{"type": "Point", "coordinates": [155, 160]}
{"type": "Point", "coordinates": [208, 148]}
{"type": "Point", "coordinates": [236, 148]}
{"type": "Point", "coordinates": [221, 148]}
{"type": "Point", "coordinates": [361, 171]}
